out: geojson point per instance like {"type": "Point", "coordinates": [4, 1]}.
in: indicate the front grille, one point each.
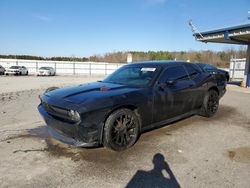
{"type": "Point", "coordinates": [56, 112]}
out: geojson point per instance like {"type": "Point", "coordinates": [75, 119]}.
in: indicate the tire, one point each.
{"type": "Point", "coordinates": [210, 104]}
{"type": "Point", "coordinates": [20, 73]}
{"type": "Point", "coordinates": [121, 130]}
{"type": "Point", "coordinates": [27, 73]}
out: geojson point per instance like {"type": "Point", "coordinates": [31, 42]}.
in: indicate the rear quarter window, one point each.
{"type": "Point", "coordinates": [192, 70]}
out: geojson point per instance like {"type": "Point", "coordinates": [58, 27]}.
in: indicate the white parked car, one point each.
{"type": "Point", "coordinates": [2, 70]}
{"type": "Point", "coordinates": [17, 70]}
{"type": "Point", "coordinates": [46, 71]}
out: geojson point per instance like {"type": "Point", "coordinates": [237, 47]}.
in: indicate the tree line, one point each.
{"type": "Point", "coordinates": [220, 58]}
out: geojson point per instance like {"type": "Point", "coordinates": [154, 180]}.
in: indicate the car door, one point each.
{"type": "Point", "coordinates": [22, 70]}
{"type": "Point", "coordinates": [172, 93]}
{"type": "Point", "coordinates": [197, 89]}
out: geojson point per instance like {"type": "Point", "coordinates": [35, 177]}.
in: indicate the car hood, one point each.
{"type": "Point", "coordinates": [91, 91]}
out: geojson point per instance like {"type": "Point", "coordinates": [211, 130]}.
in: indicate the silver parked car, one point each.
{"type": "Point", "coordinates": [46, 71]}
{"type": "Point", "coordinates": [2, 70]}
{"type": "Point", "coordinates": [17, 70]}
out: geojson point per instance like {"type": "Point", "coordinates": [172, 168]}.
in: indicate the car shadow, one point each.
{"type": "Point", "coordinates": [166, 124]}
{"type": "Point", "coordinates": [160, 176]}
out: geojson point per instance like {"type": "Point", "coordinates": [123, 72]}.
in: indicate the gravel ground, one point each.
{"type": "Point", "coordinates": [194, 152]}
{"type": "Point", "coordinates": [22, 83]}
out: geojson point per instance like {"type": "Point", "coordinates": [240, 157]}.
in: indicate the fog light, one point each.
{"type": "Point", "coordinates": [74, 115]}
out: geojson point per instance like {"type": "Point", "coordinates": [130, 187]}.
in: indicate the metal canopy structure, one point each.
{"type": "Point", "coordinates": [239, 34]}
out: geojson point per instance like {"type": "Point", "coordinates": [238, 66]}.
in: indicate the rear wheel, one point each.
{"type": "Point", "coordinates": [210, 104]}
{"type": "Point", "coordinates": [121, 130]}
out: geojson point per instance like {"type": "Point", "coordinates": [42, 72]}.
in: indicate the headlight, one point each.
{"type": "Point", "coordinates": [74, 115]}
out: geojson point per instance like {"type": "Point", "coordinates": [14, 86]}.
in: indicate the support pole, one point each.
{"type": "Point", "coordinates": [247, 69]}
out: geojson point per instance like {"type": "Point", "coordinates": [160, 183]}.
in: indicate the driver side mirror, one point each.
{"type": "Point", "coordinates": [170, 82]}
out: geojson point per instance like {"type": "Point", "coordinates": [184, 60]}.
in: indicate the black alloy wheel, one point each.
{"type": "Point", "coordinates": [210, 104]}
{"type": "Point", "coordinates": [121, 130]}
{"type": "Point", "coordinates": [213, 102]}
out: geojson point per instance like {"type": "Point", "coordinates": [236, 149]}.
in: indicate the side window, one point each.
{"type": "Point", "coordinates": [198, 68]}
{"type": "Point", "coordinates": [209, 68]}
{"type": "Point", "coordinates": [191, 70]}
{"type": "Point", "coordinates": [174, 73]}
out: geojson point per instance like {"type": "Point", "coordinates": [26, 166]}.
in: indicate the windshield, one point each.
{"type": "Point", "coordinates": [45, 68]}
{"type": "Point", "coordinates": [132, 75]}
{"type": "Point", "coordinates": [15, 67]}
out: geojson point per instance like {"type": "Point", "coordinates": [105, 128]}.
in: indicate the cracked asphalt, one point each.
{"type": "Point", "coordinates": [194, 152]}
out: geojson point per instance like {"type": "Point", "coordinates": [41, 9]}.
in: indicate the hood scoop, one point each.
{"type": "Point", "coordinates": [104, 88]}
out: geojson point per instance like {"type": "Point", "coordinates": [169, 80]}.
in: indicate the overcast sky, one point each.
{"type": "Point", "coordinates": [88, 27]}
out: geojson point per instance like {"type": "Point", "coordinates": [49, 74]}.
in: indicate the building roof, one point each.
{"type": "Point", "coordinates": [239, 34]}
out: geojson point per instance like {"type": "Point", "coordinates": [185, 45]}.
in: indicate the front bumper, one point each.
{"type": "Point", "coordinates": [14, 73]}
{"type": "Point", "coordinates": [43, 74]}
{"type": "Point", "coordinates": [72, 134]}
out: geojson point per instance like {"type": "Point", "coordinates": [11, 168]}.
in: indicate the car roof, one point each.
{"type": "Point", "coordinates": [162, 63]}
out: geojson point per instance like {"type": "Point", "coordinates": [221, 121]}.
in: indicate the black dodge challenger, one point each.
{"type": "Point", "coordinates": [135, 98]}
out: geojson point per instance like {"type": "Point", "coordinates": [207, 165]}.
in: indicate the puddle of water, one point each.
{"type": "Point", "coordinates": [97, 155]}
{"type": "Point", "coordinates": [241, 154]}
{"type": "Point", "coordinates": [39, 132]}
{"type": "Point", "coordinates": [54, 148]}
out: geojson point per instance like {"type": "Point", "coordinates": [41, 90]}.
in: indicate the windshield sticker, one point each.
{"type": "Point", "coordinates": [146, 69]}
